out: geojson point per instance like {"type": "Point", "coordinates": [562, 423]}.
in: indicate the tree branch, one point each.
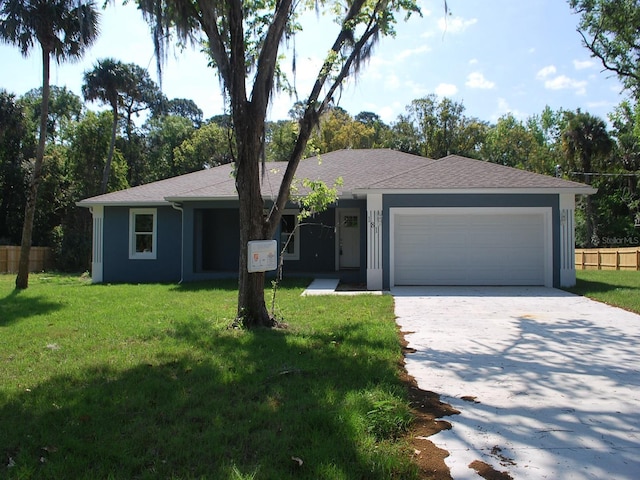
{"type": "Point", "coordinates": [313, 110]}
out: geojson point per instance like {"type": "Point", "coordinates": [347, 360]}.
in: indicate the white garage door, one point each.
{"type": "Point", "coordinates": [470, 247]}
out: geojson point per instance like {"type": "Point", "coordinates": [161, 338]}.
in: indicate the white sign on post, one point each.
{"type": "Point", "coordinates": [262, 255]}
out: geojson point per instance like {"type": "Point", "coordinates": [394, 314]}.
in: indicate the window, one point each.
{"type": "Point", "coordinates": [350, 221]}
{"type": "Point", "coordinates": [288, 233]}
{"type": "Point", "coordinates": [142, 233]}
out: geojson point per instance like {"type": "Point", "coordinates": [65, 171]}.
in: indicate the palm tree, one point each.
{"type": "Point", "coordinates": [119, 85]}
{"type": "Point", "coordinates": [585, 142]}
{"type": "Point", "coordinates": [63, 29]}
{"type": "Point", "coordinates": [105, 82]}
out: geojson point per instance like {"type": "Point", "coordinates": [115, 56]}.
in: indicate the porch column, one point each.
{"type": "Point", "coordinates": [374, 241]}
{"type": "Point", "coordinates": [98, 231]}
{"type": "Point", "coordinates": [567, 240]}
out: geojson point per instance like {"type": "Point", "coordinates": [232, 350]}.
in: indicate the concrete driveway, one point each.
{"type": "Point", "coordinates": [550, 380]}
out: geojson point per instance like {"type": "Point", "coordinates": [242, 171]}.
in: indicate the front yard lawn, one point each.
{"type": "Point", "coordinates": [148, 381]}
{"type": "Point", "coordinates": [614, 287]}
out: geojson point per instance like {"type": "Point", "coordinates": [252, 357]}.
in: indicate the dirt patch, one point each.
{"type": "Point", "coordinates": [487, 472]}
{"type": "Point", "coordinates": [428, 411]}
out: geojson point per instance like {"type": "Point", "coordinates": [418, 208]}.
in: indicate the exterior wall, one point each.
{"type": "Point", "coordinates": [567, 240]}
{"type": "Point", "coordinates": [211, 240]}
{"type": "Point", "coordinates": [317, 245]}
{"type": "Point", "coordinates": [97, 262]}
{"type": "Point", "coordinates": [116, 265]}
{"type": "Point", "coordinates": [211, 243]}
{"type": "Point", "coordinates": [469, 200]}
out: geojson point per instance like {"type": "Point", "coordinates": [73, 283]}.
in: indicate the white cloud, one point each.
{"type": "Point", "coordinates": [413, 51]}
{"type": "Point", "coordinates": [455, 24]}
{"type": "Point", "coordinates": [392, 82]}
{"type": "Point", "coordinates": [390, 112]}
{"type": "Point", "coordinates": [425, 11]}
{"type": "Point", "coordinates": [446, 90]}
{"type": "Point", "coordinates": [477, 80]}
{"type": "Point", "coordinates": [504, 108]}
{"type": "Point", "coordinates": [417, 89]}
{"type": "Point", "coordinates": [545, 72]}
{"type": "Point", "coordinates": [562, 82]}
{"type": "Point", "coordinates": [582, 64]}
{"type": "Point", "coordinates": [600, 104]}
{"type": "Point", "coordinates": [427, 34]}
{"type": "Point", "coordinates": [473, 61]}
{"type": "Point", "coordinates": [378, 67]}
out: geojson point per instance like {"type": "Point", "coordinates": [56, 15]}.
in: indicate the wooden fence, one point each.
{"type": "Point", "coordinates": [608, 258]}
{"type": "Point", "coordinates": [40, 259]}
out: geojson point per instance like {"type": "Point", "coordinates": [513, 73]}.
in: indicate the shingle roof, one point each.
{"type": "Point", "coordinates": [360, 170]}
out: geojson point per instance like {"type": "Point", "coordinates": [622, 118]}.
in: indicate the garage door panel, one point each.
{"type": "Point", "coordinates": [469, 249]}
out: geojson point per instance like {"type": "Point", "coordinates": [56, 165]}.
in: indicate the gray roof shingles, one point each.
{"type": "Point", "coordinates": [375, 169]}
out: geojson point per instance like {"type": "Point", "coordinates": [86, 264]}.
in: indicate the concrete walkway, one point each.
{"type": "Point", "coordinates": [328, 286]}
{"type": "Point", "coordinates": [550, 380]}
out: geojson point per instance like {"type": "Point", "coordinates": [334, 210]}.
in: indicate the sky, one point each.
{"type": "Point", "coordinates": [493, 56]}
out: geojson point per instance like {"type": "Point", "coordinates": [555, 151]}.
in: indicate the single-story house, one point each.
{"type": "Point", "coordinates": [400, 219]}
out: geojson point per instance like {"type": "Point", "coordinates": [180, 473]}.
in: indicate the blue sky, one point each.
{"type": "Point", "coordinates": [494, 56]}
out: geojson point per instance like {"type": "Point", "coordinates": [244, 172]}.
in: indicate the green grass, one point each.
{"type": "Point", "coordinates": [147, 381]}
{"type": "Point", "coordinates": [614, 287]}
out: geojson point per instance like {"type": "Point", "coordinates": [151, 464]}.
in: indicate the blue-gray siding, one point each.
{"type": "Point", "coordinates": [202, 241]}
{"type": "Point", "coordinates": [117, 265]}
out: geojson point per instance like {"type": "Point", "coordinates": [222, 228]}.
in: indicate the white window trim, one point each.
{"type": "Point", "coordinates": [133, 255]}
{"type": "Point", "coordinates": [296, 237]}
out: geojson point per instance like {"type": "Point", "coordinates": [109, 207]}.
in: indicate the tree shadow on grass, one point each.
{"type": "Point", "coordinates": [17, 306]}
{"type": "Point", "coordinates": [583, 286]}
{"type": "Point", "coordinates": [280, 410]}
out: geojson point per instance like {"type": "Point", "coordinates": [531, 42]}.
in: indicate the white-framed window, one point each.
{"type": "Point", "coordinates": [289, 233]}
{"type": "Point", "coordinates": [142, 233]}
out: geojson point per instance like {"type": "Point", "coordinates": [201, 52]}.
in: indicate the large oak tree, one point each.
{"type": "Point", "coordinates": [609, 29]}
{"type": "Point", "coordinates": [243, 39]}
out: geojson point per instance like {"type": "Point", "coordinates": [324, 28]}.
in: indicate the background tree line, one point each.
{"type": "Point", "coordinates": [155, 138]}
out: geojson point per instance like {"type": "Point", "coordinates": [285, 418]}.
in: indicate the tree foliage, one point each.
{"type": "Point", "coordinates": [64, 108]}
{"type": "Point", "coordinates": [14, 148]}
{"type": "Point", "coordinates": [124, 87]}
{"type": "Point", "coordinates": [586, 145]}
{"type": "Point", "coordinates": [208, 146]}
{"type": "Point", "coordinates": [609, 29]}
{"type": "Point", "coordinates": [435, 128]}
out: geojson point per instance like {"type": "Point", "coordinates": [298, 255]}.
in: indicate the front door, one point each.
{"type": "Point", "coordinates": [348, 238]}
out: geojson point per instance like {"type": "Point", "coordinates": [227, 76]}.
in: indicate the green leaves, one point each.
{"type": "Point", "coordinates": [609, 29]}
{"type": "Point", "coordinates": [318, 197]}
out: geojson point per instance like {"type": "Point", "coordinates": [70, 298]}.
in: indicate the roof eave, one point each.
{"type": "Point", "coordinates": [363, 192]}
{"type": "Point", "coordinates": [137, 203]}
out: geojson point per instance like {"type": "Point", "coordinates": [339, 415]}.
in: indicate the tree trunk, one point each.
{"type": "Point", "coordinates": [252, 310]}
{"type": "Point", "coordinates": [589, 214]}
{"type": "Point", "coordinates": [22, 280]}
{"type": "Point", "coordinates": [112, 145]}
